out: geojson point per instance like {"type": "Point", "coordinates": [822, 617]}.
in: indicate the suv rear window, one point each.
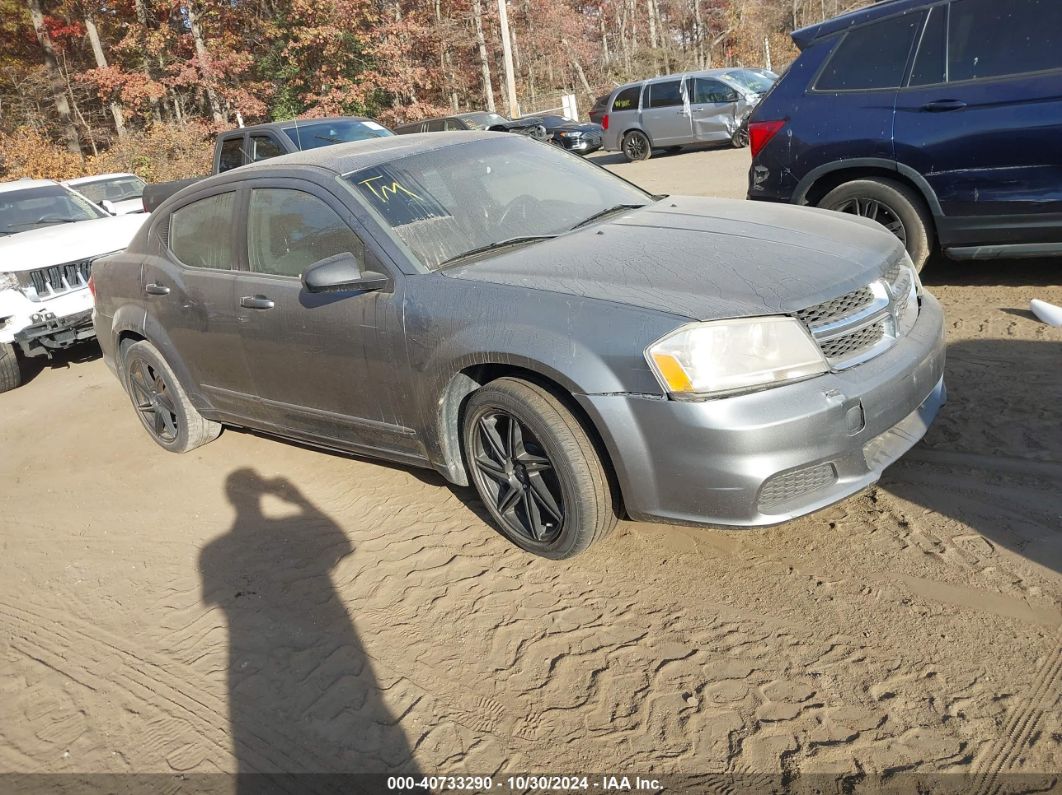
{"type": "Point", "coordinates": [873, 56]}
{"type": "Point", "coordinates": [627, 99]}
{"type": "Point", "coordinates": [992, 39]}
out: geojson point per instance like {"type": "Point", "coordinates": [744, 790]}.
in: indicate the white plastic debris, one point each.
{"type": "Point", "coordinates": [1048, 313]}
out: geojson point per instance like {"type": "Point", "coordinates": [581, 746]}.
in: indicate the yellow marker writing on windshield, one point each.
{"type": "Point", "coordinates": [381, 193]}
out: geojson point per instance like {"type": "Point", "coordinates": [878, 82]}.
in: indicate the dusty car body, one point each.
{"type": "Point", "coordinates": [515, 317]}
{"type": "Point", "coordinates": [679, 109]}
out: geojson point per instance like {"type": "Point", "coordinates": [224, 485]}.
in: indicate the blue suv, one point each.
{"type": "Point", "coordinates": [942, 120]}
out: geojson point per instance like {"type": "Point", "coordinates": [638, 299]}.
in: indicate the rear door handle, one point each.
{"type": "Point", "coordinates": [156, 289]}
{"type": "Point", "coordinates": [943, 105]}
{"type": "Point", "coordinates": [256, 302]}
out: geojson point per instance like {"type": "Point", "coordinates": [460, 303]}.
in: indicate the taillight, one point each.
{"type": "Point", "coordinates": [761, 132]}
{"type": "Point", "coordinates": [92, 287]}
{"type": "Point", "coordinates": [604, 121]}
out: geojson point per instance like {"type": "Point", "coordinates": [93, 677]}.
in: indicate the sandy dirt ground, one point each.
{"type": "Point", "coordinates": [259, 606]}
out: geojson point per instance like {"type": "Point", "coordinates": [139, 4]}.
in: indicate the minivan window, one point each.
{"type": "Point", "coordinates": [756, 82]}
{"type": "Point", "coordinates": [627, 99]}
{"type": "Point", "coordinates": [200, 232]}
{"type": "Point", "coordinates": [873, 56]}
{"type": "Point", "coordinates": [711, 91]}
{"type": "Point", "coordinates": [231, 154]}
{"type": "Point", "coordinates": [289, 230]}
{"type": "Point", "coordinates": [930, 63]}
{"type": "Point", "coordinates": [665, 95]}
{"type": "Point", "coordinates": [993, 39]}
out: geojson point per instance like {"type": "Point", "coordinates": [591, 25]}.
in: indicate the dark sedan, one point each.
{"type": "Point", "coordinates": [575, 136]}
{"type": "Point", "coordinates": [476, 120]}
{"type": "Point", "coordinates": [526, 322]}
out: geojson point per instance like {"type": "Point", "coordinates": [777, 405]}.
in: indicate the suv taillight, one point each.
{"type": "Point", "coordinates": [761, 132]}
{"type": "Point", "coordinates": [604, 122]}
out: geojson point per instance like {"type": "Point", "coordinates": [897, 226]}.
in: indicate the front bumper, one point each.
{"type": "Point", "coordinates": [584, 145]}
{"type": "Point", "coordinates": [769, 456]}
{"type": "Point", "coordinates": [43, 326]}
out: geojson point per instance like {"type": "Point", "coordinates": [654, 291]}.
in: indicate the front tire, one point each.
{"type": "Point", "coordinates": [160, 402]}
{"type": "Point", "coordinates": [892, 204]}
{"type": "Point", "coordinates": [536, 469]}
{"type": "Point", "coordinates": [636, 146]}
{"type": "Point", "coordinates": [10, 372]}
{"type": "Point", "coordinates": [740, 138]}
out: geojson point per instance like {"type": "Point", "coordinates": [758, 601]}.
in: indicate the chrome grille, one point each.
{"type": "Point", "coordinates": [848, 344]}
{"type": "Point", "coordinates": [863, 323]}
{"type": "Point", "coordinates": [45, 283]}
{"type": "Point", "coordinates": [837, 308]}
{"type": "Point", "coordinates": [787, 486]}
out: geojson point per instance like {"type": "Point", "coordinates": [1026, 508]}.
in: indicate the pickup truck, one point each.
{"type": "Point", "coordinates": [244, 145]}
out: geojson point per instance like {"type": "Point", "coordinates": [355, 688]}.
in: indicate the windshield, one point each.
{"type": "Point", "coordinates": [315, 134]}
{"type": "Point", "coordinates": [481, 121]}
{"type": "Point", "coordinates": [115, 189]}
{"type": "Point", "coordinates": [32, 208]}
{"type": "Point", "coordinates": [447, 202]}
{"type": "Point", "coordinates": [756, 82]}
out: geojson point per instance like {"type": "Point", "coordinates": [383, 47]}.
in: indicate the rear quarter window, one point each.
{"type": "Point", "coordinates": [627, 99]}
{"type": "Point", "coordinates": [872, 56]}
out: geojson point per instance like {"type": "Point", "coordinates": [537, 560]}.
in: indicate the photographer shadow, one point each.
{"type": "Point", "coordinates": [305, 708]}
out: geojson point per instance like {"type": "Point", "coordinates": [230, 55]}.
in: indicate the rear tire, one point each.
{"type": "Point", "coordinates": [636, 146]}
{"type": "Point", "coordinates": [10, 371]}
{"type": "Point", "coordinates": [161, 404]}
{"type": "Point", "coordinates": [894, 205]}
{"type": "Point", "coordinates": [536, 469]}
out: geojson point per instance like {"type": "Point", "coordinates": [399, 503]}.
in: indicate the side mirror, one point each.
{"type": "Point", "coordinates": [108, 205]}
{"type": "Point", "coordinates": [340, 273]}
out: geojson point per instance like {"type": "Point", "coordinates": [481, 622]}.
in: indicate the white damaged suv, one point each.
{"type": "Point", "coordinates": [49, 235]}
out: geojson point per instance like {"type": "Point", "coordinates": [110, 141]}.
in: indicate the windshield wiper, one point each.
{"type": "Point", "coordinates": [607, 211]}
{"type": "Point", "coordinates": [511, 241]}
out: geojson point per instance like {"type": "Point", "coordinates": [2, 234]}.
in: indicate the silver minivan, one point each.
{"type": "Point", "coordinates": [674, 110]}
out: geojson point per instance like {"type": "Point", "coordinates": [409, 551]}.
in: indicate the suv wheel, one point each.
{"type": "Point", "coordinates": [10, 373]}
{"type": "Point", "coordinates": [636, 146]}
{"type": "Point", "coordinates": [163, 407]}
{"type": "Point", "coordinates": [893, 205]}
{"type": "Point", "coordinates": [536, 469]}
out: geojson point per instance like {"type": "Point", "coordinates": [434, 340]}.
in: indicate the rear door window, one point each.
{"type": "Point", "coordinates": [264, 147]}
{"type": "Point", "coordinates": [231, 154]}
{"type": "Point", "coordinates": [289, 230]}
{"type": "Point", "coordinates": [200, 232]}
{"type": "Point", "coordinates": [989, 38]}
{"type": "Point", "coordinates": [666, 94]}
{"type": "Point", "coordinates": [627, 99]}
{"type": "Point", "coordinates": [930, 65]}
{"type": "Point", "coordinates": [872, 56]}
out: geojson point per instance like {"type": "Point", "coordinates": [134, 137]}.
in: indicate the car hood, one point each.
{"type": "Point", "coordinates": [588, 127]}
{"type": "Point", "coordinates": [59, 243]}
{"type": "Point", "coordinates": [704, 259]}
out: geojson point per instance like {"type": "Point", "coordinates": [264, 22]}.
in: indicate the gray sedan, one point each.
{"type": "Point", "coordinates": [525, 322]}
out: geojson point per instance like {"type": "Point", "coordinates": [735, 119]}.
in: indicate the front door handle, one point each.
{"type": "Point", "coordinates": [156, 289]}
{"type": "Point", "coordinates": [256, 302]}
{"type": "Point", "coordinates": [944, 105]}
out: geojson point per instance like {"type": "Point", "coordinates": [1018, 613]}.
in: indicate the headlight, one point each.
{"type": "Point", "coordinates": [8, 281]}
{"type": "Point", "coordinates": [905, 294]}
{"type": "Point", "coordinates": [724, 357]}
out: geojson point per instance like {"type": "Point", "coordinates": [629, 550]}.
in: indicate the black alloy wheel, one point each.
{"type": "Point", "coordinates": [636, 146]}
{"type": "Point", "coordinates": [514, 471]}
{"type": "Point", "coordinates": [153, 400]}
{"type": "Point", "coordinates": [875, 210]}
